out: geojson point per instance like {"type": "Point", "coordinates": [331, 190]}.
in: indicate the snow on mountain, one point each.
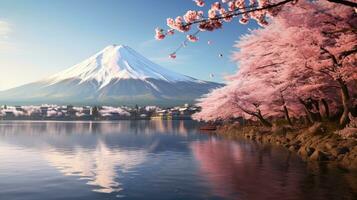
{"type": "Point", "coordinates": [117, 62]}
{"type": "Point", "coordinates": [116, 75]}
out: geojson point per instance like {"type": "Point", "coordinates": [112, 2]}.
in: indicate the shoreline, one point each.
{"type": "Point", "coordinates": [312, 144]}
{"type": "Point", "coordinates": [91, 120]}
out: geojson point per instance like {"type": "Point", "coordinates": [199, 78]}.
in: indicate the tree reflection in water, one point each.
{"type": "Point", "coordinates": [246, 170]}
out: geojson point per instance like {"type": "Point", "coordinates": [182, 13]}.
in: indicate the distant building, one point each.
{"type": "Point", "coordinates": [44, 110]}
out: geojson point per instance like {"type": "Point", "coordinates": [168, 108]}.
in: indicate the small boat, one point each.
{"type": "Point", "coordinates": [208, 127]}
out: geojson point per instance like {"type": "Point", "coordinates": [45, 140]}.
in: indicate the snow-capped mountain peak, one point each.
{"type": "Point", "coordinates": [116, 75]}
{"type": "Point", "coordinates": [117, 62]}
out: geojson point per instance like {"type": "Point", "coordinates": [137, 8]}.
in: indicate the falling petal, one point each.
{"type": "Point", "coordinates": [173, 55]}
{"type": "Point", "coordinates": [192, 38]}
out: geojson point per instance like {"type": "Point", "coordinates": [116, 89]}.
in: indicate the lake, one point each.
{"type": "Point", "coordinates": [153, 160]}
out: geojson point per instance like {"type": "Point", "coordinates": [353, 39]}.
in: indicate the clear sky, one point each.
{"type": "Point", "coordinates": [40, 37]}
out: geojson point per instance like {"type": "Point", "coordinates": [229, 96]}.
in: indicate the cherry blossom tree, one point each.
{"type": "Point", "coordinates": [232, 101]}
{"type": "Point", "coordinates": [242, 98]}
{"type": "Point", "coordinates": [330, 45]}
{"type": "Point", "coordinates": [298, 71]}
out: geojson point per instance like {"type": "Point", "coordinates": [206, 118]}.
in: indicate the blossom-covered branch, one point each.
{"type": "Point", "coordinates": [225, 11]}
{"type": "Point", "coordinates": [219, 13]}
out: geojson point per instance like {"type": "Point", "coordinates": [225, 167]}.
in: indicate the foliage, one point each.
{"type": "Point", "coordinates": [302, 64]}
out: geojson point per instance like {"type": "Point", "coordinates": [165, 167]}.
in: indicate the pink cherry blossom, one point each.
{"type": "Point", "coordinates": [177, 24]}
{"type": "Point", "coordinates": [239, 3]}
{"type": "Point", "coordinates": [216, 6]}
{"type": "Point", "coordinates": [243, 21]}
{"type": "Point", "coordinates": [225, 14]}
{"type": "Point", "coordinates": [212, 13]}
{"type": "Point", "coordinates": [191, 16]}
{"type": "Point", "coordinates": [231, 6]}
{"type": "Point", "coordinates": [200, 3]}
{"type": "Point", "coordinates": [170, 22]}
{"type": "Point", "coordinates": [170, 32]}
{"type": "Point", "coordinates": [159, 34]}
{"type": "Point", "coordinates": [192, 38]}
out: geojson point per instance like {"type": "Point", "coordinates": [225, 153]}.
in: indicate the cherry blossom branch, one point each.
{"type": "Point", "coordinates": [216, 16]}
{"type": "Point", "coordinates": [235, 14]}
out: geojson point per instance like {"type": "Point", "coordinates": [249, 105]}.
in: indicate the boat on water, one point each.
{"type": "Point", "coordinates": [208, 127]}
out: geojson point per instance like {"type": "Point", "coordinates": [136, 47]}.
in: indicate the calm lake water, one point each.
{"type": "Point", "coordinates": [153, 160]}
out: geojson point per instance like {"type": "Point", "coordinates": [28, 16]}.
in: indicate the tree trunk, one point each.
{"type": "Point", "coordinates": [306, 120]}
{"type": "Point", "coordinates": [316, 104]}
{"type": "Point", "coordinates": [258, 115]}
{"type": "Point", "coordinates": [286, 113]}
{"type": "Point", "coordinates": [263, 121]}
{"type": "Point", "coordinates": [327, 109]}
{"type": "Point", "coordinates": [307, 111]}
{"type": "Point", "coordinates": [345, 102]}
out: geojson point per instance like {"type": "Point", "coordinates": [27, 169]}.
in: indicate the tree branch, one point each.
{"type": "Point", "coordinates": [264, 66]}
{"type": "Point", "coordinates": [333, 57]}
{"type": "Point", "coordinates": [344, 30]}
{"type": "Point", "coordinates": [347, 53]}
{"type": "Point", "coordinates": [344, 2]}
{"type": "Point", "coordinates": [234, 14]}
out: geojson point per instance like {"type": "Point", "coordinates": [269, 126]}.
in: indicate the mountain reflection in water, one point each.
{"type": "Point", "coordinates": [81, 149]}
{"type": "Point", "coordinates": [100, 166]}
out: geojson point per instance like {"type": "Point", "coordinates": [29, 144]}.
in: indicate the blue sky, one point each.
{"type": "Point", "coordinates": [41, 37]}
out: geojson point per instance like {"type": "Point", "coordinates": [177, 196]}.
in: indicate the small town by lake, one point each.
{"type": "Point", "coordinates": [70, 112]}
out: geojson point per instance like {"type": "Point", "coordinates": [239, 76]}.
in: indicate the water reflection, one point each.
{"type": "Point", "coordinates": [98, 152]}
{"type": "Point", "coordinates": [90, 127]}
{"type": "Point", "coordinates": [100, 166]}
{"type": "Point", "coordinates": [244, 170]}
{"type": "Point", "coordinates": [155, 160]}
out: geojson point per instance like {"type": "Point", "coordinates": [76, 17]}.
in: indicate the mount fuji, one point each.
{"type": "Point", "coordinates": [117, 75]}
